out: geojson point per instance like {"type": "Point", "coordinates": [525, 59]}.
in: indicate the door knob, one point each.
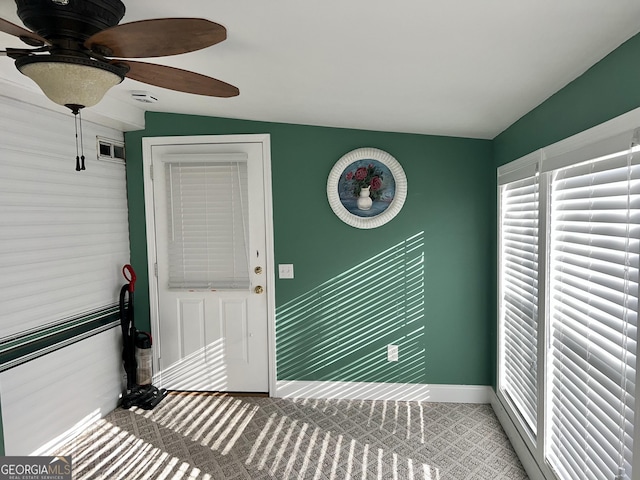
{"type": "Point", "coordinates": [258, 289]}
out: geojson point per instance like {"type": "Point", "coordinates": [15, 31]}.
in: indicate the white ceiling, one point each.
{"type": "Point", "coordinates": [459, 68]}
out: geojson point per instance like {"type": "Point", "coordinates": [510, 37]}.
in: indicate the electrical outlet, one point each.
{"type": "Point", "coordinates": [392, 353]}
{"type": "Point", "coordinates": [285, 270]}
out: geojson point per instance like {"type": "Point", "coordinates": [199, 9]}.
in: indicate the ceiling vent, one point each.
{"type": "Point", "coordinates": [144, 97]}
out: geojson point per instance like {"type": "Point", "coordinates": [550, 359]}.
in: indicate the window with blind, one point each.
{"type": "Point", "coordinates": [519, 296]}
{"type": "Point", "coordinates": [593, 302]}
{"type": "Point", "coordinates": [208, 222]}
{"type": "Point", "coordinates": [568, 279]}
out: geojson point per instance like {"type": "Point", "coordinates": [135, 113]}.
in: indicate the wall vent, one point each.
{"type": "Point", "coordinates": [110, 150]}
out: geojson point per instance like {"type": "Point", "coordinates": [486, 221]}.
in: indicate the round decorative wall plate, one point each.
{"type": "Point", "coordinates": [366, 188]}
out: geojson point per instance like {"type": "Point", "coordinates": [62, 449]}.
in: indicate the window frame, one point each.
{"type": "Point", "coordinates": [528, 171]}
{"type": "Point", "coordinates": [521, 169]}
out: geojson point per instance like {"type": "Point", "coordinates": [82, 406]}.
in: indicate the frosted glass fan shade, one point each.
{"type": "Point", "coordinates": [70, 80]}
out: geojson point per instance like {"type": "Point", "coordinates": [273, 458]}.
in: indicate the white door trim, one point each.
{"type": "Point", "coordinates": [147, 145]}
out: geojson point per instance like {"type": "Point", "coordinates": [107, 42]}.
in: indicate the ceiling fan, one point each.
{"type": "Point", "coordinates": [79, 51]}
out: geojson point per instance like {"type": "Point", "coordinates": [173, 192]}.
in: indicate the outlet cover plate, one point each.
{"type": "Point", "coordinates": [392, 353]}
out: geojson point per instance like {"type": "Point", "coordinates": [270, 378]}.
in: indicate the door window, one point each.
{"type": "Point", "coordinates": [207, 217]}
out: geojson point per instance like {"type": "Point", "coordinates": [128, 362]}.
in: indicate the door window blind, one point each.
{"type": "Point", "coordinates": [593, 275]}
{"type": "Point", "coordinates": [208, 222]}
{"type": "Point", "coordinates": [519, 296]}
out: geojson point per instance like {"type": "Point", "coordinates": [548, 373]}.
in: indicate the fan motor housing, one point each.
{"type": "Point", "coordinates": [77, 20]}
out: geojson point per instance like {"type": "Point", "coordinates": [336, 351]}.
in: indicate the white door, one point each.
{"type": "Point", "coordinates": [211, 256]}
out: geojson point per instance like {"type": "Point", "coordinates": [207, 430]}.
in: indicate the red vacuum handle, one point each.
{"type": "Point", "coordinates": [130, 276]}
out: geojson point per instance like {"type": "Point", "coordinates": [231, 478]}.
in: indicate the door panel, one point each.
{"type": "Point", "coordinates": [191, 326]}
{"type": "Point", "coordinates": [235, 330]}
{"type": "Point", "coordinates": [212, 338]}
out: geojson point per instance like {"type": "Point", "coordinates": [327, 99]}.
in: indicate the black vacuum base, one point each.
{"type": "Point", "coordinates": [143, 396]}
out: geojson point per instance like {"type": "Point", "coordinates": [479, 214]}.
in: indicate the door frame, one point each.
{"type": "Point", "coordinates": [147, 151]}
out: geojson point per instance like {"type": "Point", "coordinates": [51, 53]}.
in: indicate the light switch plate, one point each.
{"type": "Point", "coordinates": [285, 270]}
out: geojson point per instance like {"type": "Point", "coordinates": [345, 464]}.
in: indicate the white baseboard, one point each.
{"type": "Point", "coordinates": [383, 391]}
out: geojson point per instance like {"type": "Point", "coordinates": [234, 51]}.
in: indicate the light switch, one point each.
{"type": "Point", "coordinates": [285, 270]}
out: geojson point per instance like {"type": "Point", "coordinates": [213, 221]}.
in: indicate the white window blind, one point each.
{"type": "Point", "coordinates": [208, 222]}
{"type": "Point", "coordinates": [519, 296]}
{"type": "Point", "coordinates": [64, 235]}
{"type": "Point", "coordinates": [593, 275]}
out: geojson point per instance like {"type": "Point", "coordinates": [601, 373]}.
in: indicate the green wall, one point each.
{"type": "Point", "coordinates": [608, 89]}
{"type": "Point", "coordinates": [420, 281]}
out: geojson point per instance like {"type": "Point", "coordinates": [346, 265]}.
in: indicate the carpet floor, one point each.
{"type": "Point", "coordinates": [216, 437]}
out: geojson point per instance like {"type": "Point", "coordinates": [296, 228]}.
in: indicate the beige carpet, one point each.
{"type": "Point", "coordinates": [194, 436]}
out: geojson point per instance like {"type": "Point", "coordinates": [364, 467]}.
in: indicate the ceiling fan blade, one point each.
{"type": "Point", "coordinates": [158, 37]}
{"type": "Point", "coordinates": [178, 79]}
{"type": "Point", "coordinates": [23, 34]}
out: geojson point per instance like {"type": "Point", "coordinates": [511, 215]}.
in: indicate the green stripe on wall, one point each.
{"type": "Point", "coordinates": [23, 348]}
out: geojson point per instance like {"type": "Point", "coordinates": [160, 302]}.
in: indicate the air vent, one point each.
{"type": "Point", "coordinates": [144, 97]}
{"type": "Point", "coordinates": [110, 150]}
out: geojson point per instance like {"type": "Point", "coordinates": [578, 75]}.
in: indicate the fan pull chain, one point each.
{"type": "Point", "coordinates": [77, 119]}
{"type": "Point", "coordinates": [81, 143]}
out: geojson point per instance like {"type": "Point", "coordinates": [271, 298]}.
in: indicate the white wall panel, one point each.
{"type": "Point", "coordinates": [46, 399]}
{"type": "Point", "coordinates": [64, 236]}
{"type": "Point", "coordinates": [63, 242]}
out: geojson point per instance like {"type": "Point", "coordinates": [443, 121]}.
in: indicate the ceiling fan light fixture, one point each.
{"type": "Point", "coordinates": [67, 80]}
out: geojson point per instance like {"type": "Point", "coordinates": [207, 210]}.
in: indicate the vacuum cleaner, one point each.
{"type": "Point", "coordinates": [136, 353]}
